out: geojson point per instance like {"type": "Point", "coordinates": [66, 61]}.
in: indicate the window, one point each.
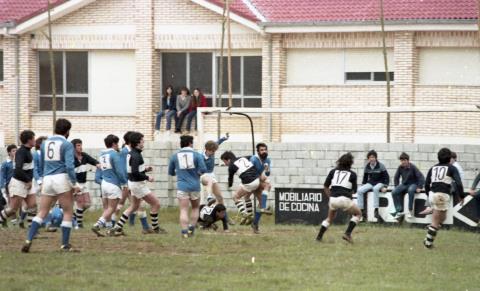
{"type": "Point", "coordinates": [71, 81]}
{"type": "Point", "coordinates": [449, 66]}
{"type": "Point", "coordinates": [1, 66]}
{"type": "Point", "coordinates": [368, 76]}
{"type": "Point", "coordinates": [196, 70]}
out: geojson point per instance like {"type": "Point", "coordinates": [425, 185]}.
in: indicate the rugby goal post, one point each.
{"type": "Point", "coordinates": [375, 109]}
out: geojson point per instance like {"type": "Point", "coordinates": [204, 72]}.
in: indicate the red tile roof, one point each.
{"type": "Point", "coordinates": [238, 7]}
{"type": "Point", "coordinates": [364, 10]}
{"type": "Point", "coordinates": [20, 10]}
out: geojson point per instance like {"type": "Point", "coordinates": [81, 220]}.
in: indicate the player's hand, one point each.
{"type": "Point", "coordinates": [384, 189]}
{"type": "Point", "coordinates": [29, 185]}
{"type": "Point", "coordinates": [150, 179]}
{"type": "Point", "coordinates": [419, 190]}
{"type": "Point", "coordinates": [99, 166]}
{"type": "Point", "coordinates": [471, 192]}
{"type": "Point", "coordinates": [178, 113]}
{"type": "Point", "coordinates": [149, 169]}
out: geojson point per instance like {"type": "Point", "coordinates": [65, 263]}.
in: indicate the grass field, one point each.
{"type": "Point", "coordinates": [286, 258]}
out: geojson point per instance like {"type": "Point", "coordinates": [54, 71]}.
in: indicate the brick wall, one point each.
{"type": "Point", "coordinates": [299, 164]}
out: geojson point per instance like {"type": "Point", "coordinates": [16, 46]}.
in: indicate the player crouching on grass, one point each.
{"type": "Point", "coordinates": [250, 183]}
{"type": "Point", "coordinates": [340, 184]}
{"type": "Point", "coordinates": [188, 165]}
{"type": "Point", "coordinates": [112, 179]}
{"type": "Point", "coordinates": [22, 186]}
{"type": "Point", "coordinates": [137, 183]}
{"type": "Point", "coordinates": [439, 181]}
{"type": "Point", "coordinates": [211, 213]}
{"type": "Point", "coordinates": [82, 198]}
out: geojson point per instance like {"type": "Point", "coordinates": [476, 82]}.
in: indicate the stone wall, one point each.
{"type": "Point", "coordinates": [299, 164]}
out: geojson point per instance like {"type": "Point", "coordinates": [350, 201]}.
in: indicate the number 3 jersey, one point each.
{"type": "Point", "coordinates": [244, 169]}
{"type": "Point", "coordinates": [188, 165]}
{"type": "Point", "coordinates": [111, 168]}
{"type": "Point", "coordinates": [341, 183]}
{"type": "Point", "coordinates": [440, 178]}
{"type": "Point", "coordinates": [57, 157]}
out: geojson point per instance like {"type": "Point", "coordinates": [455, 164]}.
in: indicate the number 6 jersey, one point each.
{"type": "Point", "coordinates": [440, 178]}
{"type": "Point", "coordinates": [57, 157]}
{"type": "Point", "coordinates": [341, 183]}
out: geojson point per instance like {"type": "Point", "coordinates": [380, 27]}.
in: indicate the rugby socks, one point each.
{"type": "Point", "coordinates": [263, 203]}
{"type": "Point", "coordinates": [3, 215]}
{"type": "Point", "coordinates": [23, 214]}
{"type": "Point", "coordinates": [108, 225]}
{"type": "Point", "coordinates": [122, 221]}
{"type": "Point", "coordinates": [100, 222]}
{"type": "Point", "coordinates": [36, 224]}
{"type": "Point", "coordinates": [79, 216]}
{"type": "Point", "coordinates": [66, 228]}
{"type": "Point", "coordinates": [191, 229]}
{"type": "Point", "coordinates": [131, 219]}
{"type": "Point", "coordinates": [143, 219]}
{"type": "Point", "coordinates": [154, 219]}
{"type": "Point", "coordinates": [248, 207]}
{"type": "Point", "coordinates": [351, 225]}
{"type": "Point", "coordinates": [30, 215]}
{"type": "Point", "coordinates": [241, 206]}
{"type": "Point", "coordinates": [114, 219]}
{"type": "Point", "coordinates": [430, 237]}
{"type": "Point", "coordinates": [323, 229]}
{"type": "Point", "coordinates": [258, 215]}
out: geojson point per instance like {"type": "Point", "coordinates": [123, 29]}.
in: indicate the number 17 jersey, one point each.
{"type": "Point", "coordinates": [341, 183]}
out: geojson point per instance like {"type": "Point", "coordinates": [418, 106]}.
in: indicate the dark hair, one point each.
{"type": "Point", "coordinates": [404, 156]}
{"type": "Point", "coordinates": [260, 145]}
{"type": "Point", "coordinates": [11, 147]}
{"type": "Point", "coordinates": [76, 141]}
{"type": "Point", "coordinates": [228, 155]}
{"type": "Point", "coordinates": [444, 156]}
{"type": "Point", "coordinates": [186, 140]}
{"type": "Point", "coordinates": [185, 89]}
{"type": "Point", "coordinates": [135, 138]}
{"type": "Point", "coordinates": [211, 145]}
{"type": "Point", "coordinates": [220, 207]}
{"type": "Point", "coordinates": [372, 153]}
{"type": "Point", "coordinates": [196, 100]}
{"type": "Point", "coordinates": [39, 141]}
{"type": "Point", "coordinates": [62, 126]}
{"type": "Point", "coordinates": [126, 137]}
{"type": "Point", "coordinates": [454, 155]}
{"type": "Point", "coordinates": [165, 94]}
{"type": "Point", "coordinates": [345, 162]}
{"type": "Point", "coordinates": [110, 140]}
{"type": "Point", "coordinates": [26, 135]}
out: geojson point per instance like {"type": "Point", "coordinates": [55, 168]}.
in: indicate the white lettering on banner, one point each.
{"type": "Point", "coordinates": [305, 197]}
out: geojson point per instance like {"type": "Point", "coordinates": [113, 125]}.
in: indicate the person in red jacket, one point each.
{"type": "Point", "coordinates": [198, 100]}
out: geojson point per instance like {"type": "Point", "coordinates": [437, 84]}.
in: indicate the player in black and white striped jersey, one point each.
{"type": "Point", "coordinates": [438, 186]}
{"type": "Point", "coordinates": [340, 184]}
{"type": "Point", "coordinates": [250, 183]}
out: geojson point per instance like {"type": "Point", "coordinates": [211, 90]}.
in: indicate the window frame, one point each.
{"type": "Point", "coordinates": [64, 94]}
{"type": "Point", "coordinates": [213, 95]}
{"type": "Point", "coordinates": [2, 67]}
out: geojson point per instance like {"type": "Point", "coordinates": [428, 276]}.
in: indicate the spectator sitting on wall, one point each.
{"type": "Point", "coordinates": [412, 182]}
{"type": "Point", "coordinates": [375, 177]}
{"type": "Point", "coordinates": [168, 109]}
{"type": "Point", "coordinates": [183, 103]}
{"type": "Point", "coordinates": [197, 100]}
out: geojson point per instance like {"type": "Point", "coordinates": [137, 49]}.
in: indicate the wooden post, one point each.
{"type": "Point", "coordinates": [385, 60]}
{"type": "Point", "coordinates": [229, 51]}
{"type": "Point", "coordinates": [52, 69]}
{"type": "Point", "coordinates": [220, 71]}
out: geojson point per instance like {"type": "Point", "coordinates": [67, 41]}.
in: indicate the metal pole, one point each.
{"type": "Point", "coordinates": [229, 51]}
{"type": "Point", "coordinates": [220, 72]}
{"type": "Point", "coordinates": [387, 75]}
{"type": "Point", "coordinates": [52, 69]}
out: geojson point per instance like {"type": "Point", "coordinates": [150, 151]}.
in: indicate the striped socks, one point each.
{"type": "Point", "coordinates": [121, 222]}
{"type": "Point", "coordinates": [154, 220]}
{"type": "Point", "coordinates": [79, 216]}
{"type": "Point", "coordinates": [430, 237]}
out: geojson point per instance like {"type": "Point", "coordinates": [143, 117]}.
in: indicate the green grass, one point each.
{"type": "Point", "coordinates": [286, 258]}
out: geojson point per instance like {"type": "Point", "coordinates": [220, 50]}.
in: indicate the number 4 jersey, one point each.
{"type": "Point", "coordinates": [341, 183]}
{"type": "Point", "coordinates": [57, 157]}
{"type": "Point", "coordinates": [440, 177]}
{"type": "Point", "coordinates": [188, 165]}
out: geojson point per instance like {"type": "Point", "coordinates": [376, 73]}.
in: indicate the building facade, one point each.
{"type": "Point", "coordinates": [113, 57]}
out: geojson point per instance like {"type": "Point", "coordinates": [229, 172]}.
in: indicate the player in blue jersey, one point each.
{"type": "Point", "coordinates": [22, 187]}
{"type": "Point", "coordinates": [262, 164]}
{"type": "Point", "coordinates": [209, 180]}
{"type": "Point", "coordinates": [188, 165]}
{"type": "Point", "coordinates": [59, 182]}
{"type": "Point", "coordinates": [6, 174]}
{"type": "Point", "coordinates": [112, 181]}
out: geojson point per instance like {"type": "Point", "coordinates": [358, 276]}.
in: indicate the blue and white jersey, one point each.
{"type": "Point", "coordinates": [124, 163]}
{"type": "Point", "coordinates": [37, 170]}
{"type": "Point", "coordinates": [57, 157]}
{"type": "Point", "coordinates": [188, 165]}
{"type": "Point", "coordinates": [210, 160]}
{"type": "Point", "coordinates": [111, 168]}
{"type": "Point", "coordinates": [6, 173]}
{"type": "Point", "coordinates": [260, 165]}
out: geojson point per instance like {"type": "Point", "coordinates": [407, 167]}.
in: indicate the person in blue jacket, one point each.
{"type": "Point", "coordinates": [188, 165]}
{"type": "Point", "coordinates": [6, 174]}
